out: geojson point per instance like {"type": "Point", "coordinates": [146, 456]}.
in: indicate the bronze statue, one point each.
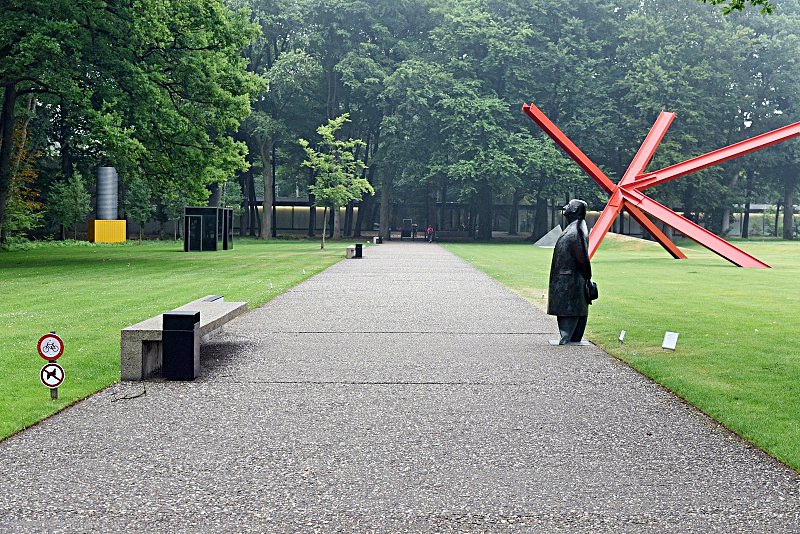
{"type": "Point", "coordinates": [569, 273]}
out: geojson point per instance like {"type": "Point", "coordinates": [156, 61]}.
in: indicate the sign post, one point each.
{"type": "Point", "coordinates": [51, 347]}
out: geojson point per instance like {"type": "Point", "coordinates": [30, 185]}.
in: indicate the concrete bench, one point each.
{"type": "Point", "coordinates": [141, 343]}
{"type": "Point", "coordinates": [354, 251]}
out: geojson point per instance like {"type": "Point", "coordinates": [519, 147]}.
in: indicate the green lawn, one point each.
{"type": "Point", "coordinates": [88, 293]}
{"type": "Point", "coordinates": [738, 357]}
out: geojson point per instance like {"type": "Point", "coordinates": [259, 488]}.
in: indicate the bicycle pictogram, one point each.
{"type": "Point", "coordinates": [50, 347]}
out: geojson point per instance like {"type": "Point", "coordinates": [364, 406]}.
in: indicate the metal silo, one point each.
{"type": "Point", "coordinates": [107, 193]}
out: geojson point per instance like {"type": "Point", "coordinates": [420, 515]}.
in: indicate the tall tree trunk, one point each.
{"type": "Point", "coordinates": [333, 91]}
{"type": "Point", "coordinates": [513, 217]}
{"type": "Point", "coordinates": [540, 223]}
{"type": "Point", "coordinates": [324, 226]}
{"type": "Point", "coordinates": [66, 146]}
{"type": "Point", "coordinates": [337, 223]}
{"type": "Point", "coordinates": [748, 193]}
{"type": "Point", "coordinates": [348, 219]}
{"type": "Point", "coordinates": [7, 121]}
{"type": "Point", "coordinates": [788, 222]}
{"type": "Point", "coordinates": [386, 194]}
{"type": "Point", "coordinates": [254, 223]}
{"type": "Point", "coordinates": [363, 208]}
{"type": "Point", "coordinates": [374, 214]}
{"type": "Point", "coordinates": [312, 213]}
{"type": "Point", "coordinates": [266, 164]}
{"type": "Point", "coordinates": [484, 204]}
{"type": "Point", "coordinates": [215, 196]}
{"type": "Point", "coordinates": [367, 205]}
{"type": "Point", "coordinates": [431, 209]}
{"type": "Point", "coordinates": [273, 194]}
{"type": "Point", "coordinates": [18, 158]}
{"type": "Point", "coordinates": [789, 187]}
{"type": "Point", "coordinates": [439, 223]}
{"type": "Point", "coordinates": [243, 216]}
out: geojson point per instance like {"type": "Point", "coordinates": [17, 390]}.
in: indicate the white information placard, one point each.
{"type": "Point", "coordinates": [670, 341]}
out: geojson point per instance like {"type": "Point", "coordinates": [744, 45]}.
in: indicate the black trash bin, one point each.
{"type": "Point", "coordinates": [180, 345]}
{"type": "Point", "coordinates": [359, 251]}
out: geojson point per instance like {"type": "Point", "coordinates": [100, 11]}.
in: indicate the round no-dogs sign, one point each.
{"type": "Point", "coordinates": [52, 375]}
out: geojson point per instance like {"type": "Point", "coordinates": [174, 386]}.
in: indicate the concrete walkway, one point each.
{"type": "Point", "coordinates": [404, 392]}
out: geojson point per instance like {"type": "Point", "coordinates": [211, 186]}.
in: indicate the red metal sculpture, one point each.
{"type": "Point", "coordinates": [627, 194]}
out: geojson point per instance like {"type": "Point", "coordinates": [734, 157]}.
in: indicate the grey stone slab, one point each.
{"type": "Point", "coordinates": [317, 414]}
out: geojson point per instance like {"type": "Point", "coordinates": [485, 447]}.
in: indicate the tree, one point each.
{"type": "Point", "coordinates": [173, 204]}
{"type": "Point", "coordinates": [413, 154]}
{"type": "Point", "coordinates": [24, 212]}
{"type": "Point", "coordinates": [290, 77]}
{"type": "Point", "coordinates": [154, 86]}
{"type": "Point", "coordinates": [546, 174]}
{"type": "Point", "coordinates": [729, 6]}
{"type": "Point", "coordinates": [70, 202]}
{"type": "Point", "coordinates": [337, 171]}
{"type": "Point", "coordinates": [231, 196]}
{"type": "Point", "coordinates": [138, 203]}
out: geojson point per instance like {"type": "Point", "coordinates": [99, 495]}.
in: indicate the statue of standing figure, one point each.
{"type": "Point", "coordinates": [569, 273]}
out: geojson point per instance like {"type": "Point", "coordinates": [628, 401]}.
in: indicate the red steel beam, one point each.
{"type": "Point", "coordinates": [694, 232]}
{"type": "Point", "coordinates": [604, 222]}
{"type": "Point", "coordinates": [569, 147]}
{"type": "Point", "coordinates": [655, 232]}
{"type": "Point", "coordinates": [638, 164]}
{"type": "Point", "coordinates": [718, 156]}
{"type": "Point", "coordinates": [648, 148]}
{"type": "Point", "coordinates": [596, 236]}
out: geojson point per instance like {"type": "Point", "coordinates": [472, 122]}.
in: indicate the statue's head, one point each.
{"type": "Point", "coordinates": [575, 210]}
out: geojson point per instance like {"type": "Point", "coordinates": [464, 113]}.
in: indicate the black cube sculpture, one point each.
{"type": "Point", "coordinates": [207, 228]}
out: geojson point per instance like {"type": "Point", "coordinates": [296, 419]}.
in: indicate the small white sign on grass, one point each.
{"type": "Point", "coordinates": [622, 337]}
{"type": "Point", "coordinates": [670, 341]}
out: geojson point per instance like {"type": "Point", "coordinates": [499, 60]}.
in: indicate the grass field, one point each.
{"type": "Point", "coordinates": [88, 293]}
{"type": "Point", "coordinates": [737, 358]}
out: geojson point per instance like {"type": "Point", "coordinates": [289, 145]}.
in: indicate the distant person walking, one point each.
{"type": "Point", "coordinates": [429, 232]}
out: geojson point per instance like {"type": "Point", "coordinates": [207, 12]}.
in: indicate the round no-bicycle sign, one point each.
{"type": "Point", "coordinates": [50, 347]}
{"type": "Point", "coordinates": [52, 375]}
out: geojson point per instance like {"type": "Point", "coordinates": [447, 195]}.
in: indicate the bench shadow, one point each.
{"type": "Point", "coordinates": [216, 355]}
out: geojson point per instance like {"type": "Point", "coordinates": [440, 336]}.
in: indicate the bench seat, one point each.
{"type": "Point", "coordinates": [140, 344]}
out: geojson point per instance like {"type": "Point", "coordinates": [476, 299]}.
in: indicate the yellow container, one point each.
{"type": "Point", "coordinates": [107, 231]}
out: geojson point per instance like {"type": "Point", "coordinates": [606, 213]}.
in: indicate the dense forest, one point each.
{"type": "Point", "coordinates": [195, 98]}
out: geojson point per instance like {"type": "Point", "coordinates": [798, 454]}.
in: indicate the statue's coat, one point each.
{"type": "Point", "coordinates": [569, 271]}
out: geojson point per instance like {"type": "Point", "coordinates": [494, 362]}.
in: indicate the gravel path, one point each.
{"type": "Point", "coordinates": [403, 392]}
